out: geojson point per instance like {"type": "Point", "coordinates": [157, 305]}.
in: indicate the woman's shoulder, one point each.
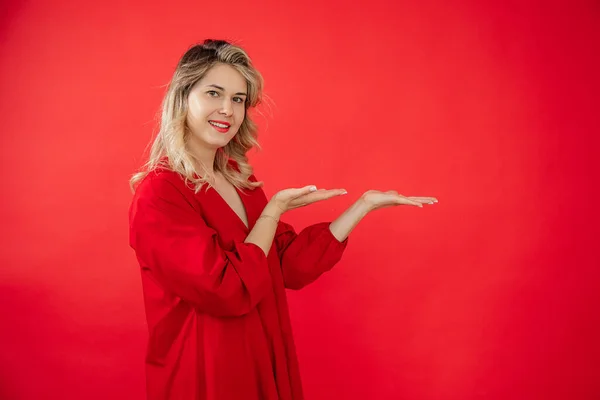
{"type": "Point", "coordinates": [161, 181]}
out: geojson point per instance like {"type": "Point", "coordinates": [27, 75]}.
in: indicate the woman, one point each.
{"type": "Point", "coordinates": [214, 255]}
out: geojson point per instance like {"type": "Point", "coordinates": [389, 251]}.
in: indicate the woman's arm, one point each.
{"type": "Point", "coordinates": [347, 221]}
{"type": "Point", "coordinates": [264, 229]}
{"type": "Point", "coordinates": [317, 248]}
{"type": "Point", "coordinates": [370, 201]}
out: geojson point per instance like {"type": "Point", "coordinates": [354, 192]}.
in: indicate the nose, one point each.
{"type": "Point", "coordinates": [226, 108]}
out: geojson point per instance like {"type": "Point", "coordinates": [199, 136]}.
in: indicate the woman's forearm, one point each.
{"type": "Point", "coordinates": [263, 232]}
{"type": "Point", "coordinates": [345, 223]}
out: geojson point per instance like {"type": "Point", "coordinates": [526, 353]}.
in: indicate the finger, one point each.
{"type": "Point", "coordinates": [314, 197]}
{"type": "Point", "coordinates": [323, 195]}
{"type": "Point", "coordinates": [428, 200]}
{"type": "Point", "coordinates": [333, 192]}
{"type": "Point", "coordinates": [295, 193]}
{"type": "Point", "coordinates": [422, 201]}
{"type": "Point", "coordinates": [421, 198]}
{"type": "Point", "coordinates": [408, 201]}
{"type": "Point", "coordinates": [319, 195]}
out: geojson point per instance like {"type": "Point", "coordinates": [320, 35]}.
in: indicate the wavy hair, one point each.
{"type": "Point", "coordinates": [169, 149]}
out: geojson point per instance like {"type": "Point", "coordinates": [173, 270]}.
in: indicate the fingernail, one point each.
{"type": "Point", "coordinates": [313, 189]}
{"type": "Point", "coordinates": [344, 192]}
{"type": "Point", "coordinates": [431, 202]}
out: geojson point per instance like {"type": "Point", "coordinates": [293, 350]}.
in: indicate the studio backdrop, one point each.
{"type": "Point", "coordinates": [491, 107]}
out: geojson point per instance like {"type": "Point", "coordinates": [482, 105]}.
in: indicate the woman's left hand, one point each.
{"type": "Point", "coordinates": [375, 199]}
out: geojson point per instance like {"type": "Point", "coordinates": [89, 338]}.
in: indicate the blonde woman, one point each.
{"type": "Point", "coordinates": [215, 256]}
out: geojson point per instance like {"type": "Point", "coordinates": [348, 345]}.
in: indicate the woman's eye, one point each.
{"type": "Point", "coordinates": [212, 93]}
{"type": "Point", "coordinates": [238, 99]}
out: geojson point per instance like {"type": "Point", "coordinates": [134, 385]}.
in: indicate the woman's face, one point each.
{"type": "Point", "coordinates": [216, 107]}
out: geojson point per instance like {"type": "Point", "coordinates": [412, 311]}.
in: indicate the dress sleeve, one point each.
{"type": "Point", "coordinates": [182, 253]}
{"type": "Point", "coordinates": [307, 255]}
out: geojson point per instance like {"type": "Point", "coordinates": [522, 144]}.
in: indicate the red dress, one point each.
{"type": "Point", "coordinates": [219, 326]}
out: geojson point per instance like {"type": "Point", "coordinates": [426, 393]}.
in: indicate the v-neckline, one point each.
{"type": "Point", "coordinates": [231, 210]}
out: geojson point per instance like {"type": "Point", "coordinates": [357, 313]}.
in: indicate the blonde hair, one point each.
{"type": "Point", "coordinates": [169, 148]}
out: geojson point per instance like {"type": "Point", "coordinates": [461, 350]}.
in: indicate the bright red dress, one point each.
{"type": "Point", "coordinates": [219, 326]}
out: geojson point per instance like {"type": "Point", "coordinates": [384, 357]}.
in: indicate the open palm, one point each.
{"type": "Point", "coordinates": [376, 199]}
{"type": "Point", "coordinates": [289, 199]}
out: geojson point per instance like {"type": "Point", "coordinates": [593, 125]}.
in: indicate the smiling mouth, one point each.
{"type": "Point", "coordinates": [220, 125]}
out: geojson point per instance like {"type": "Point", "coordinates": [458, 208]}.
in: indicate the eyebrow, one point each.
{"type": "Point", "coordinates": [223, 89]}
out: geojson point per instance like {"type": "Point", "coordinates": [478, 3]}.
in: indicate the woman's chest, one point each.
{"type": "Point", "coordinates": [232, 199]}
{"type": "Point", "coordinates": [230, 212]}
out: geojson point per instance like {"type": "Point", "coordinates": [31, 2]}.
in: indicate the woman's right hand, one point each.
{"type": "Point", "coordinates": [288, 199]}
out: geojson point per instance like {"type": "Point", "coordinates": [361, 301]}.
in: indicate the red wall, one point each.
{"type": "Point", "coordinates": [492, 107]}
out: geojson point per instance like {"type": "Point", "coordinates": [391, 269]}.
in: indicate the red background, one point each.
{"type": "Point", "coordinates": [492, 107]}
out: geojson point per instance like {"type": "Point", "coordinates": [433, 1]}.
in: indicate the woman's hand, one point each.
{"type": "Point", "coordinates": [262, 233]}
{"type": "Point", "coordinates": [289, 199]}
{"type": "Point", "coordinates": [370, 201]}
{"type": "Point", "coordinates": [374, 200]}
